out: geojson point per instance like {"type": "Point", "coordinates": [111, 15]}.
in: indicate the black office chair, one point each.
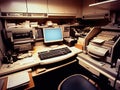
{"type": "Point", "coordinates": [77, 82]}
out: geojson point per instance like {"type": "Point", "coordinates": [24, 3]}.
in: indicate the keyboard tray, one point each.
{"type": "Point", "coordinates": [53, 53]}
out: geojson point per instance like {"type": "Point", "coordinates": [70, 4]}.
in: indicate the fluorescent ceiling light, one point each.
{"type": "Point", "coordinates": [103, 2]}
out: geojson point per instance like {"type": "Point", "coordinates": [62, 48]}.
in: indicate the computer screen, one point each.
{"type": "Point", "coordinates": [52, 35]}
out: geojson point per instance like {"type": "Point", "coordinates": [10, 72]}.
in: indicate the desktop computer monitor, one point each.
{"type": "Point", "coordinates": [52, 35]}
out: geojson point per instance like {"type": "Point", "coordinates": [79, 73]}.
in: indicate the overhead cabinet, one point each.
{"type": "Point", "coordinates": [64, 7]}
{"type": "Point", "coordinates": [92, 12]}
{"type": "Point", "coordinates": [51, 7]}
{"type": "Point", "coordinates": [55, 6]}
{"type": "Point", "coordinates": [86, 9]}
{"type": "Point", "coordinates": [37, 6]}
{"type": "Point", "coordinates": [30, 6]}
{"type": "Point", "coordinates": [13, 5]}
{"type": "Point", "coordinates": [107, 4]}
{"type": "Point", "coordinates": [71, 6]}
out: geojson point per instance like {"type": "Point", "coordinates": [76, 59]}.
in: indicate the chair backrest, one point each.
{"type": "Point", "coordinates": [77, 82]}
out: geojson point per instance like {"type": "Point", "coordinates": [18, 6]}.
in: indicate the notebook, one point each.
{"type": "Point", "coordinates": [18, 79]}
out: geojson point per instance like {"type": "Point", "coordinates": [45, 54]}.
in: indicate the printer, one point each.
{"type": "Point", "coordinates": [21, 38]}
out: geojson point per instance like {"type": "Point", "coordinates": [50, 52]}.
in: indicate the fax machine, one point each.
{"type": "Point", "coordinates": [104, 46]}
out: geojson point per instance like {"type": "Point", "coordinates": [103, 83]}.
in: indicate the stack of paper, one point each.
{"type": "Point", "coordinates": [18, 79]}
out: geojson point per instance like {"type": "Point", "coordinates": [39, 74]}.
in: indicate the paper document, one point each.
{"type": "Point", "coordinates": [18, 79]}
{"type": "Point", "coordinates": [99, 51]}
{"type": "Point", "coordinates": [26, 60]}
{"type": "Point", "coordinates": [98, 40]}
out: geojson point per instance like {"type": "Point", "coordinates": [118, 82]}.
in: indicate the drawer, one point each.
{"type": "Point", "coordinates": [87, 66]}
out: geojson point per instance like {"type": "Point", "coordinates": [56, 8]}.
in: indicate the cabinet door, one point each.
{"type": "Point", "coordinates": [79, 8]}
{"type": "Point", "coordinates": [100, 11]}
{"type": "Point", "coordinates": [55, 6]}
{"type": "Point", "coordinates": [37, 6]}
{"type": "Point", "coordinates": [86, 9]}
{"type": "Point", "coordinates": [70, 6]}
{"type": "Point", "coordinates": [73, 7]}
{"type": "Point", "coordinates": [93, 10]}
{"type": "Point", "coordinates": [13, 5]}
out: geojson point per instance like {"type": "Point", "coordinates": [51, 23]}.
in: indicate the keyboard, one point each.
{"type": "Point", "coordinates": [53, 53]}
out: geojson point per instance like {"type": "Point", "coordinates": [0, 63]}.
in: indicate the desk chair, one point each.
{"type": "Point", "coordinates": [77, 82]}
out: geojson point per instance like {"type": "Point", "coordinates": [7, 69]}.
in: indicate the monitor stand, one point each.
{"type": "Point", "coordinates": [53, 44]}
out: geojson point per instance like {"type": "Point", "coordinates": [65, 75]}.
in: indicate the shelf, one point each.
{"type": "Point", "coordinates": [22, 17]}
{"type": "Point", "coordinates": [114, 5]}
{"type": "Point", "coordinates": [18, 15]}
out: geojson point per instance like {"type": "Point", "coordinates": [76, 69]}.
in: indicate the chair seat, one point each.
{"type": "Point", "coordinates": [76, 82]}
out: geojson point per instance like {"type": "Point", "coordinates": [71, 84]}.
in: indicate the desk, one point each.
{"type": "Point", "coordinates": [35, 64]}
{"type": "Point", "coordinates": [35, 60]}
{"type": "Point", "coordinates": [97, 67]}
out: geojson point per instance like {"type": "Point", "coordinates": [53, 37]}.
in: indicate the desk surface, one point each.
{"type": "Point", "coordinates": [35, 60]}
